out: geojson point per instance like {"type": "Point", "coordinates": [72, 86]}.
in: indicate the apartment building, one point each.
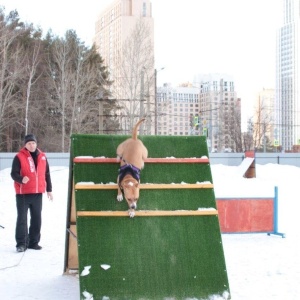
{"type": "Point", "coordinates": [287, 101]}
{"type": "Point", "coordinates": [177, 110]}
{"type": "Point", "coordinates": [220, 111]}
{"type": "Point", "coordinates": [122, 30]}
{"type": "Point", "coordinates": [207, 107]}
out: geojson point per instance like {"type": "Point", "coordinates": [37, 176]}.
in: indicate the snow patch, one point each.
{"type": "Point", "coordinates": [87, 295]}
{"type": "Point", "coordinates": [105, 267]}
{"type": "Point", "coordinates": [255, 261]}
{"type": "Point", "coordinates": [86, 183]}
{"type": "Point", "coordinates": [85, 271]}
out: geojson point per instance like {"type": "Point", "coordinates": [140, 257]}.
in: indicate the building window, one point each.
{"type": "Point", "coordinates": [144, 9]}
{"type": "Point", "coordinates": [112, 15]}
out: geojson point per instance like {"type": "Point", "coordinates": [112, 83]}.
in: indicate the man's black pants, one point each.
{"type": "Point", "coordinates": [33, 202]}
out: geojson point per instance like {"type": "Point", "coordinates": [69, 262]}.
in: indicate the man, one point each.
{"type": "Point", "coordinates": [31, 175]}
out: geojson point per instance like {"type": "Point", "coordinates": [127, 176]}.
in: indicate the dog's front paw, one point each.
{"type": "Point", "coordinates": [131, 213]}
{"type": "Point", "coordinates": [120, 197]}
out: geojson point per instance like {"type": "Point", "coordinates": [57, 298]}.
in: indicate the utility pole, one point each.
{"type": "Point", "coordinates": [148, 120]}
{"type": "Point", "coordinates": [155, 102]}
{"type": "Point", "coordinates": [100, 99]}
{"type": "Point", "coordinates": [142, 101]}
{"type": "Point", "coordinates": [221, 117]}
{"type": "Point", "coordinates": [210, 121]}
{"type": "Point", "coordinates": [264, 136]}
{"type": "Point", "coordinates": [100, 116]}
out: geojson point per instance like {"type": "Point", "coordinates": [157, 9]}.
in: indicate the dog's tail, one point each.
{"type": "Point", "coordinates": [135, 128]}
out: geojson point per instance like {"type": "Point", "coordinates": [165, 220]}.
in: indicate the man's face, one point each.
{"type": "Point", "coordinates": [31, 146]}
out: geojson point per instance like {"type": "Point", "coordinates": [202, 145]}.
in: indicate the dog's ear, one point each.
{"type": "Point", "coordinates": [136, 184]}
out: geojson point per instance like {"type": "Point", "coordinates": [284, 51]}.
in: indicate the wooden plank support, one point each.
{"type": "Point", "coordinates": [149, 213]}
{"type": "Point", "coordinates": [144, 186]}
{"type": "Point", "coordinates": [100, 160]}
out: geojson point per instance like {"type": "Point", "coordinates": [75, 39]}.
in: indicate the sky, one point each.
{"type": "Point", "coordinates": [231, 37]}
{"type": "Point", "coordinates": [259, 266]}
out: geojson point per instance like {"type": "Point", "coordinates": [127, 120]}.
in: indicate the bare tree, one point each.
{"type": "Point", "coordinates": [134, 82]}
{"type": "Point", "coordinates": [50, 86]}
{"type": "Point", "coordinates": [234, 128]}
{"type": "Point", "coordinates": [32, 61]}
{"type": "Point", "coordinates": [248, 136]}
{"type": "Point", "coordinates": [262, 125]}
{"type": "Point", "coordinates": [14, 36]}
{"type": "Point", "coordinates": [60, 62]}
{"type": "Point", "coordinates": [91, 79]}
{"type": "Point", "coordinates": [78, 76]}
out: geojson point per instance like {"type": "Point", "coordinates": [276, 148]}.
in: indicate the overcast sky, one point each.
{"type": "Point", "coordinates": [236, 37]}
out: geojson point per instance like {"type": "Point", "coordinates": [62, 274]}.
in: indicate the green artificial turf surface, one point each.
{"type": "Point", "coordinates": [149, 257]}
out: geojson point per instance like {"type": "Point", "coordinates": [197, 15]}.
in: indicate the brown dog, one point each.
{"type": "Point", "coordinates": [132, 154]}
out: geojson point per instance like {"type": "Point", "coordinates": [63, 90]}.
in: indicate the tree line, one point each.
{"type": "Point", "coordinates": [56, 86]}
{"type": "Point", "coordinates": [49, 85]}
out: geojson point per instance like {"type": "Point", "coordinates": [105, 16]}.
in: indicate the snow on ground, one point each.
{"type": "Point", "coordinates": [259, 266]}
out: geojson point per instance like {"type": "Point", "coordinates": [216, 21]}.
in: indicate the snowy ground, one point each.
{"type": "Point", "coordinates": [259, 266]}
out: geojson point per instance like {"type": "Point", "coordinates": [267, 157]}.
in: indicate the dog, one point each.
{"type": "Point", "coordinates": [131, 154]}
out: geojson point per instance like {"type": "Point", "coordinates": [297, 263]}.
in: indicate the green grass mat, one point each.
{"type": "Point", "coordinates": [187, 199]}
{"type": "Point", "coordinates": [158, 146]}
{"type": "Point", "coordinates": [152, 173]}
{"type": "Point", "coordinates": [152, 258]}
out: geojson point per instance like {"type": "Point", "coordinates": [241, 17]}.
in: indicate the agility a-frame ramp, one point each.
{"type": "Point", "coordinates": [172, 248]}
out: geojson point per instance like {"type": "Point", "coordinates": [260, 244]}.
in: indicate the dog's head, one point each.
{"type": "Point", "coordinates": [131, 190]}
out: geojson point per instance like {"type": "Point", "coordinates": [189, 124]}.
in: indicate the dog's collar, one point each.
{"type": "Point", "coordinates": [129, 169]}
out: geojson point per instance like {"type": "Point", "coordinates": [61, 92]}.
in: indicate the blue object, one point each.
{"type": "Point", "coordinates": [275, 232]}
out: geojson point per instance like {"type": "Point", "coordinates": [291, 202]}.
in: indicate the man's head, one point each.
{"type": "Point", "coordinates": [30, 142]}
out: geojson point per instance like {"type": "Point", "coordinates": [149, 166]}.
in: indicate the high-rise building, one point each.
{"type": "Point", "coordinates": [287, 101]}
{"type": "Point", "coordinates": [124, 37]}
